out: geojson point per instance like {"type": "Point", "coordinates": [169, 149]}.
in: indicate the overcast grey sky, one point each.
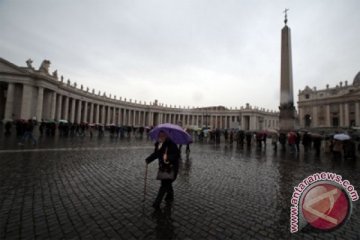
{"type": "Point", "coordinates": [188, 52]}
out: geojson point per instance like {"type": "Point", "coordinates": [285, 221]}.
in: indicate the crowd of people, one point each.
{"type": "Point", "coordinates": [292, 140]}
{"type": "Point", "coordinates": [24, 130]}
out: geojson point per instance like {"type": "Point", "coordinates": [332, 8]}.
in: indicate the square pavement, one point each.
{"type": "Point", "coordinates": [75, 188]}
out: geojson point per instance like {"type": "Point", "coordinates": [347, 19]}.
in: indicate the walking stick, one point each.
{"type": "Point", "coordinates": [145, 178]}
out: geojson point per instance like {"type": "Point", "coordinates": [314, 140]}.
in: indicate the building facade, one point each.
{"type": "Point", "coordinates": [27, 93]}
{"type": "Point", "coordinates": [330, 107]}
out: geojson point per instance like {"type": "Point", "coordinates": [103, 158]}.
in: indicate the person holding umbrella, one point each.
{"type": "Point", "coordinates": [167, 152]}
{"type": "Point", "coordinates": [167, 137]}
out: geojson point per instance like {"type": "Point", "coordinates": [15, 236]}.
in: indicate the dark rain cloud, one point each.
{"type": "Point", "coordinates": [186, 52]}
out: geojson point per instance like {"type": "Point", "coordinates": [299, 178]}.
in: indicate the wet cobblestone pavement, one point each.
{"type": "Point", "coordinates": [93, 189]}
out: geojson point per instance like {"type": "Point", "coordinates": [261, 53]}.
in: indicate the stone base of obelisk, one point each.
{"type": "Point", "coordinates": [287, 119]}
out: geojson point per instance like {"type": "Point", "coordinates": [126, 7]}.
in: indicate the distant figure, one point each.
{"type": "Point", "coordinates": [264, 137]}
{"type": "Point", "coordinates": [248, 139]}
{"type": "Point", "coordinates": [28, 134]}
{"type": "Point", "coordinates": [317, 145]}
{"type": "Point", "coordinates": [306, 141]}
{"type": "Point", "coordinates": [297, 141]}
{"type": "Point", "coordinates": [259, 139]}
{"type": "Point", "coordinates": [240, 138]}
{"type": "Point", "coordinates": [226, 135]}
{"type": "Point", "coordinates": [217, 136]}
{"type": "Point", "coordinates": [292, 141]}
{"type": "Point", "coordinates": [187, 150]}
{"type": "Point", "coordinates": [282, 140]}
{"type": "Point", "coordinates": [337, 149]}
{"type": "Point", "coordinates": [274, 139]}
{"type": "Point", "coordinates": [8, 128]}
{"type": "Point", "coordinates": [231, 138]}
{"type": "Point", "coordinates": [349, 149]}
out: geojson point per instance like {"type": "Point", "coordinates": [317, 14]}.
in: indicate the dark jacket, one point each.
{"type": "Point", "coordinates": [173, 155]}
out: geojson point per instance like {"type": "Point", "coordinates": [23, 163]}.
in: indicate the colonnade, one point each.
{"type": "Point", "coordinates": [26, 93]}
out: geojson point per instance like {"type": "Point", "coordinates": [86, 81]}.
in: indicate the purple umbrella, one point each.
{"type": "Point", "coordinates": [174, 132]}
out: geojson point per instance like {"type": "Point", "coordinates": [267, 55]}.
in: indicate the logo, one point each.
{"type": "Point", "coordinates": [322, 201]}
{"type": "Point", "coordinates": [325, 206]}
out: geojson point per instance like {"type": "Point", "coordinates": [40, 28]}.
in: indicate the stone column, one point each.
{"type": "Point", "coordinates": [108, 119]}
{"type": "Point", "coordinates": [91, 118]}
{"type": "Point", "coordinates": [9, 105]}
{"type": "Point", "coordinates": [85, 115]}
{"type": "Point", "coordinates": [125, 118]}
{"type": "Point", "coordinates": [66, 108]}
{"type": "Point", "coordinates": [327, 116]}
{"type": "Point", "coordinates": [252, 123]}
{"type": "Point", "coordinates": [129, 118]}
{"type": "Point", "coordinates": [97, 116]}
{"type": "Point", "coordinates": [78, 117]}
{"type": "Point", "coordinates": [114, 116]}
{"type": "Point", "coordinates": [357, 114]}
{"type": "Point", "coordinates": [72, 114]}
{"type": "Point", "coordinates": [119, 122]}
{"type": "Point", "coordinates": [242, 125]}
{"type": "Point", "coordinates": [26, 102]}
{"type": "Point", "coordinates": [59, 107]}
{"type": "Point", "coordinates": [53, 106]}
{"type": "Point", "coordinates": [346, 115]}
{"type": "Point", "coordinates": [159, 118]}
{"type": "Point", "coordinates": [144, 119]}
{"type": "Point", "coordinates": [39, 106]}
{"type": "Point", "coordinates": [103, 112]}
{"type": "Point", "coordinates": [150, 118]}
{"type": "Point", "coordinates": [134, 118]}
{"type": "Point", "coordinates": [315, 117]}
{"type": "Point", "coordinates": [341, 115]}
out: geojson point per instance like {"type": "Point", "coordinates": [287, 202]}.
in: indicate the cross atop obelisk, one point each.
{"type": "Point", "coordinates": [285, 11]}
{"type": "Point", "coordinates": [287, 109]}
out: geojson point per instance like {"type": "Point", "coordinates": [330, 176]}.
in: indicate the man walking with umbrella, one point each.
{"type": "Point", "coordinates": [168, 154]}
{"type": "Point", "coordinates": [167, 137]}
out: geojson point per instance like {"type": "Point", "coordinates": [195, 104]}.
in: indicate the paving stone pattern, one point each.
{"type": "Point", "coordinates": [93, 189]}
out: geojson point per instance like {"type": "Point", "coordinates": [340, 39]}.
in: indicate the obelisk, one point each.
{"type": "Point", "coordinates": [287, 109]}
